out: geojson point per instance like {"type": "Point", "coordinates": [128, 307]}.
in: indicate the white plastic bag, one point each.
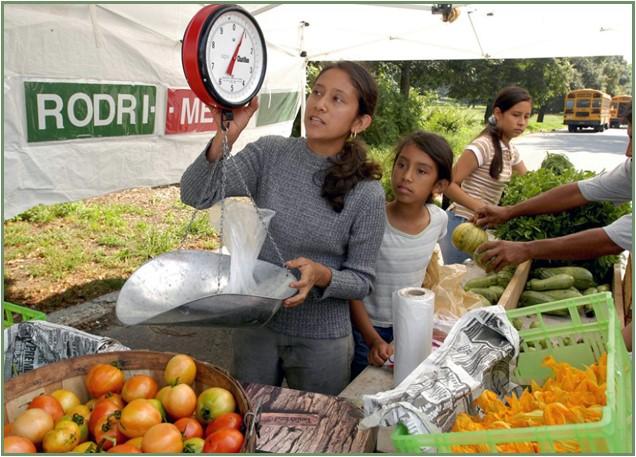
{"type": "Point", "coordinates": [243, 237]}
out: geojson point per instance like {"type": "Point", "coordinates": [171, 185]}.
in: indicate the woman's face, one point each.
{"type": "Point", "coordinates": [513, 122]}
{"type": "Point", "coordinates": [332, 108]}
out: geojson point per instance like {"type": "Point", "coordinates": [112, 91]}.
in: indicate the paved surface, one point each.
{"type": "Point", "coordinates": [98, 317]}
{"type": "Point", "coordinates": [586, 150]}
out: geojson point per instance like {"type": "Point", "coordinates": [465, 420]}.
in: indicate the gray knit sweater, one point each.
{"type": "Point", "coordinates": [284, 175]}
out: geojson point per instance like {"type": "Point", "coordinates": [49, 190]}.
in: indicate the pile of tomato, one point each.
{"type": "Point", "coordinates": [130, 416]}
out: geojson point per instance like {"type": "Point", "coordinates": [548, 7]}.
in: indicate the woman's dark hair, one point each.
{"type": "Point", "coordinates": [436, 147]}
{"type": "Point", "coordinates": [351, 165]}
{"type": "Point", "coordinates": [505, 100]}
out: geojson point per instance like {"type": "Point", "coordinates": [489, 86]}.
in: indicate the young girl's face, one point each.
{"type": "Point", "coordinates": [332, 108]}
{"type": "Point", "coordinates": [513, 122]}
{"type": "Point", "coordinates": [414, 176]}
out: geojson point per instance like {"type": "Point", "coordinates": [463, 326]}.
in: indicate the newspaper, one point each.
{"type": "Point", "coordinates": [479, 353]}
{"type": "Point", "coordinates": [32, 344]}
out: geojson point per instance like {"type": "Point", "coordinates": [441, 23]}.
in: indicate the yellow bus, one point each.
{"type": "Point", "coordinates": [620, 103]}
{"type": "Point", "coordinates": [587, 108]}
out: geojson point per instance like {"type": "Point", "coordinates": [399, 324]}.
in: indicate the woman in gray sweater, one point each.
{"type": "Point", "coordinates": [328, 225]}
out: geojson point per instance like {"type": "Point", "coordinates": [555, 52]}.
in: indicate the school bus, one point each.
{"type": "Point", "coordinates": [619, 104]}
{"type": "Point", "coordinates": [587, 108]}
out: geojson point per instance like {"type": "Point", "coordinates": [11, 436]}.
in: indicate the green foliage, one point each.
{"type": "Point", "coordinates": [528, 228]}
{"type": "Point", "coordinates": [558, 163]}
{"type": "Point", "coordinates": [395, 116]}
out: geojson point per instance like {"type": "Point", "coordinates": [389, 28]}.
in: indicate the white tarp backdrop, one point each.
{"type": "Point", "coordinates": [125, 58]}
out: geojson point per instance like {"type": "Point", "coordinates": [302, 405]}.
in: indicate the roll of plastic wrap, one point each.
{"type": "Point", "coordinates": [413, 309]}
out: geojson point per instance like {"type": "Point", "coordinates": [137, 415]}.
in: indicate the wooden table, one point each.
{"type": "Point", "coordinates": [294, 421]}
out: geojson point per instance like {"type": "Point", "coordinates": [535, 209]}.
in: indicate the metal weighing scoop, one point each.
{"type": "Point", "coordinates": [186, 287]}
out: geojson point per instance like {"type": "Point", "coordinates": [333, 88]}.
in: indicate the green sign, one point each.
{"type": "Point", "coordinates": [66, 111]}
{"type": "Point", "coordinates": [276, 107]}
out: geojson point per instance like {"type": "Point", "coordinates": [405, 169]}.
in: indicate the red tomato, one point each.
{"type": "Point", "coordinates": [181, 369]}
{"type": "Point", "coordinates": [180, 401]}
{"type": "Point", "coordinates": [135, 442]}
{"type": "Point", "coordinates": [139, 386]}
{"type": "Point", "coordinates": [18, 445]}
{"type": "Point", "coordinates": [107, 432]}
{"type": "Point", "coordinates": [102, 408]}
{"type": "Point", "coordinates": [189, 427]}
{"type": "Point", "coordinates": [103, 378]}
{"type": "Point", "coordinates": [227, 420]}
{"type": "Point", "coordinates": [114, 398]}
{"type": "Point", "coordinates": [49, 404]}
{"type": "Point", "coordinates": [162, 438]}
{"type": "Point", "coordinates": [137, 417]}
{"type": "Point", "coordinates": [125, 448]}
{"type": "Point", "coordinates": [224, 441]}
{"type": "Point", "coordinates": [213, 402]}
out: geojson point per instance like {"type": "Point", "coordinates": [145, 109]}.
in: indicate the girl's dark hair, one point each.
{"type": "Point", "coordinates": [352, 165]}
{"type": "Point", "coordinates": [505, 100]}
{"type": "Point", "coordinates": [436, 147]}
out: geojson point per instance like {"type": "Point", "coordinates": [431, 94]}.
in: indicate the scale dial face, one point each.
{"type": "Point", "coordinates": [232, 56]}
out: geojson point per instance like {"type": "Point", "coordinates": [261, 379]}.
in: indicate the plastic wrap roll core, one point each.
{"type": "Point", "coordinates": [413, 309]}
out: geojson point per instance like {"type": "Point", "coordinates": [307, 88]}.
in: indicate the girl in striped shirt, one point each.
{"type": "Point", "coordinates": [487, 164]}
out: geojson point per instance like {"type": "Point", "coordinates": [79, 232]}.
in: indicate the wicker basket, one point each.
{"type": "Point", "coordinates": [69, 374]}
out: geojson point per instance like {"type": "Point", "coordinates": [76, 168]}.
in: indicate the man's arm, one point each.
{"type": "Point", "coordinates": [588, 244]}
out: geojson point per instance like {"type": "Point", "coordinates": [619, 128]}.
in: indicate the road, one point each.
{"type": "Point", "coordinates": [586, 150]}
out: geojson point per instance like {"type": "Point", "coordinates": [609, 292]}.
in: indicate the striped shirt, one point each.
{"type": "Point", "coordinates": [479, 184]}
{"type": "Point", "coordinates": [402, 262]}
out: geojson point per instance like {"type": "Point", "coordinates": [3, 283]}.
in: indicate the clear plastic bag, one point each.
{"type": "Point", "coordinates": [243, 236]}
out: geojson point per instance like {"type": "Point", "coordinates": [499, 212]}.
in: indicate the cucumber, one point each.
{"type": "Point", "coordinates": [560, 281]}
{"type": "Point", "coordinates": [531, 297]}
{"type": "Point", "coordinates": [503, 278]}
{"type": "Point", "coordinates": [590, 291]}
{"type": "Point", "coordinates": [487, 293]}
{"type": "Point", "coordinates": [562, 294]}
{"type": "Point", "coordinates": [481, 282]}
{"type": "Point", "coordinates": [604, 288]}
{"type": "Point", "coordinates": [498, 290]}
{"type": "Point", "coordinates": [583, 279]}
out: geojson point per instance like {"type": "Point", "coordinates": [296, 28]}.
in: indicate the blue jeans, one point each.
{"type": "Point", "coordinates": [361, 350]}
{"type": "Point", "coordinates": [450, 253]}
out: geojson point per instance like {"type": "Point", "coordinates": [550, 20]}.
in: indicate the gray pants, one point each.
{"type": "Point", "coordinates": [311, 364]}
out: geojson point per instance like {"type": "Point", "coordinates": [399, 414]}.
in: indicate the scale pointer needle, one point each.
{"type": "Point", "coordinates": [230, 67]}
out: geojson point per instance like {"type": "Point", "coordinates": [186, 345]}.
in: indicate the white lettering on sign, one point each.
{"type": "Point", "coordinates": [86, 100]}
{"type": "Point", "coordinates": [196, 113]}
{"type": "Point", "coordinates": [98, 99]}
{"type": "Point", "coordinates": [123, 108]}
{"type": "Point", "coordinates": [55, 111]}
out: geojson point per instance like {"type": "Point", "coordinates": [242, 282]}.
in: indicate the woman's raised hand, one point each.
{"type": "Point", "coordinates": [241, 117]}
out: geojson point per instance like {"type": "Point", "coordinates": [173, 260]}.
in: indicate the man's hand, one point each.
{"type": "Point", "coordinates": [380, 352]}
{"type": "Point", "coordinates": [491, 216]}
{"type": "Point", "coordinates": [311, 274]}
{"type": "Point", "coordinates": [497, 254]}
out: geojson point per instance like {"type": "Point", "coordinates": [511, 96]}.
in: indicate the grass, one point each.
{"type": "Point", "coordinates": [70, 252]}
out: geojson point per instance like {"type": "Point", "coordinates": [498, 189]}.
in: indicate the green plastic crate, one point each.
{"type": "Point", "coordinates": [573, 340]}
{"type": "Point", "coordinates": [15, 313]}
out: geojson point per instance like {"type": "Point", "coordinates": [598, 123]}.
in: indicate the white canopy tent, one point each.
{"type": "Point", "coordinates": [139, 44]}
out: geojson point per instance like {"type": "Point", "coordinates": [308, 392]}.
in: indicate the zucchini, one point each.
{"type": "Point", "coordinates": [562, 294]}
{"type": "Point", "coordinates": [590, 291]}
{"type": "Point", "coordinates": [583, 279]}
{"type": "Point", "coordinates": [531, 297]}
{"type": "Point", "coordinates": [560, 281]}
{"type": "Point", "coordinates": [487, 293]}
{"type": "Point", "coordinates": [504, 277]}
{"type": "Point", "coordinates": [481, 282]}
{"type": "Point", "coordinates": [604, 288]}
{"type": "Point", "coordinates": [498, 290]}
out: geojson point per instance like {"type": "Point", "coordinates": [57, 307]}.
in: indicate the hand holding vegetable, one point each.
{"type": "Point", "coordinates": [495, 255]}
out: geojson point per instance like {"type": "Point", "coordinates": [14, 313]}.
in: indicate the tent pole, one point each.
{"type": "Point", "coordinates": [303, 55]}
